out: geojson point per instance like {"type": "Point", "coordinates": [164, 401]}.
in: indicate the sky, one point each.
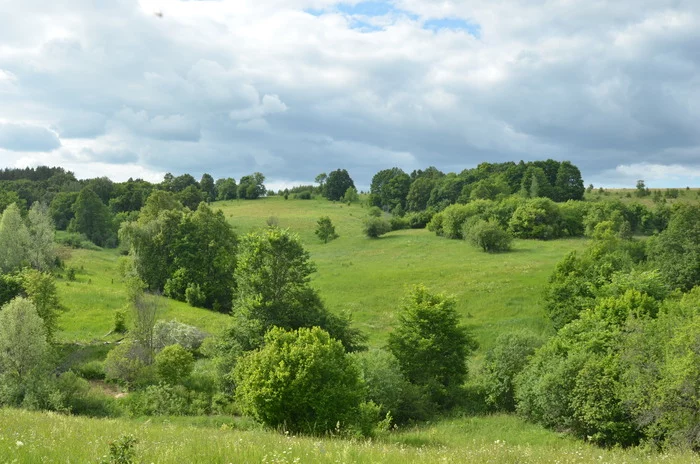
{"type": "Point", "coordinates": [293, 88]}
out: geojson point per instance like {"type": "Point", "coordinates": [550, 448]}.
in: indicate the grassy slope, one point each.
{"type": "Point", "coordinates": [498, 439]}
{"type": "Point", "coordinates": [367, 277]}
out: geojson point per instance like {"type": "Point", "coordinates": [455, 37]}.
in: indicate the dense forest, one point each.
{"type": "Point", "coordinates": [618, 365]}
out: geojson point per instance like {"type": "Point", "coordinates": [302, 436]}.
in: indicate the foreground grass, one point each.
{"type": "Point", "coordinates": [28, 437]}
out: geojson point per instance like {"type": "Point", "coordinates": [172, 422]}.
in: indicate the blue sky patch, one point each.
{"type": "Point", "coordinates": [367, 8]}
{"type": "Point", "coordinates": [453, 24]}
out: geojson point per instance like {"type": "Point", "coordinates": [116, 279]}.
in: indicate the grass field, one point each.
{"type": "Point", "coordinates": [494, 292]}
{"type": "Point", "coordinates": [31, 437]}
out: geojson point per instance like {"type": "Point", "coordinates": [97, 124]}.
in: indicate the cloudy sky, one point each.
{"type": "Point", "coordinates": [292, 88]}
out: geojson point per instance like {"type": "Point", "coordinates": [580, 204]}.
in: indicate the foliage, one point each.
{"type": "Point", "coordinates": [251, 186]}
{"type": "Point", "coordinates": [389, 189]}
{"type": "Point", "coordinates": [226, 189]}
{"type": "Point", "coordinates": [430, 345]}
{"type": "Point", "coordinates": [375, 227]}
{"type": "Point", "coordinates": [14, 240]}
{"type": "Point", "coordinates": [166, 333]}
{"type": "Point", "coordinates": [676, 251]}
{"type": "Point", "coordinates": [42, 253]}
{"type": "Point", "coordinates": [121, 451]}
{"type": "Point", "coordinates": [537, 218]}
{"type": "Point", "coordinates": [273, 289]}
{"type": "Point", "coordinates": [300, 380]}
{"type": "Point", "coordinates": [40, 288]}
{"type": "Point", "coordinates": [488, 236]}
{"type": "Point", "coordinates": [174, 364]}
{"type": "Point", "coordinates": [503, 363]}
{"type": "Point", "coordinates": [126, 362]}
{"type": "Point", "coordinates": [336, 184]}
{"type": "Point", "coordinates": [350, 196]}
{"type": "Point", "coordinates": [92, 218]}
{"type": "Point", "coordinates": [24, 355]}
{"type": "Point", "coordinates": [11, 286]}
{"type": "Point", "coordinates": [325, 230]}
{"type": "Point", "coordinates": [119, 322]}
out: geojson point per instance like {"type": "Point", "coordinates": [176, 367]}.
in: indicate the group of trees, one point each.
{"type": "Point", "coordinates": [623, 366]}
{"type": "Point", "coordinates": [394, 190]}
{"type": "Point", "coordinates": [94, 209]}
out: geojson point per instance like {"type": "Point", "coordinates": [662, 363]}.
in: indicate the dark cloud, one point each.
{"type": "Point", "coordinates": [235, 87]}
{"type": "Point", "coordinates": [27, 138]}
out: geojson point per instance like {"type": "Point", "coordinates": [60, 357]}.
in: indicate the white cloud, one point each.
{"type": "Point", "coordinates": [234, 86]}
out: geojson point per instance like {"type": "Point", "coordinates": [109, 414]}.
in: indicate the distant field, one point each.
{"type": "Point", "coordinates": [46, 437]}
{"type": "Point", "coordinates": [366, 277]}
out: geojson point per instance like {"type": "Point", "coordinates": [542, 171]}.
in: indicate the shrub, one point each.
{"type": "Point", "coordinates": [325, 230]}
{"type": "Point", "coordinates": [159, 400]}
{"type": "Point", "coordinates": [301, 380]}
{"type": "Point", "coordinates": [503, 362]}
{"type": "Point", "coordinates": [374, 211]}
{"type": "Point", "coordinates": [93, 370]}
{"type": "Point", "coordinates": [420, 219]}
{"type": "Point", "coordinates": [174, 364]}
{"type": "Point", "coordinates": [79, 397]}
{"type": "Point", "coordinates": [537, 218]}
{"type": "Point", "coordinates": [398, 223]}
{"type": "Point", "coordinates": [430, 345]}
{"type": "Point", "coordinates": [125, 362]}
{"type": "Point", "coordinates": [375, 227]}
{"type": "Point", "coordinates": [488, 236]}
{"type": "Point", "coordinates": [166, 333]}
{"type": "Point", "coordinates": [195, 296]}
{"type": "Point", "coordinates": [120, 321]}
{"type": "Point", "coordinates": [436, 223]}
{"type": "Point", "coordinates": [121, 451]}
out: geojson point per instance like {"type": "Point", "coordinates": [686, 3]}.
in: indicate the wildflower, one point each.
{"type": "Point", "coordinates": [19, 444]}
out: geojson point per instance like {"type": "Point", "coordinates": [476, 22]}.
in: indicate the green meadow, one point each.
{"type": "Point", "coordinates": [48, 437]}
{"type": "Point", "coordinates": [362, 276]}
{"type": "Point", "coordinates": [368, 278]}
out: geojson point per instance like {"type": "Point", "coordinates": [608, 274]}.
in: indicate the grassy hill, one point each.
{"type": "Point", "coordinates": [494, 292]}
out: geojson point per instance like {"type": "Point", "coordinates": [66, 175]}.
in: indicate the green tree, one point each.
{"type": "Point", "coordinates": [251, 187]}
{"type": "Point", "coordinates": [351, 196]}
{"type": "Point", "coordinates": [191, 196]}
{"type": "Point", "coordinates": [503, 363]}
{"type": "Point", "coordinates": [92, 217]}
{"type": "Point", "coordinates": [208, 187]}
{"type": "Point", "coordinates": [375, 227]}
{"type": "Point", "coordinates": [61, 209]}
{"type": "Point", "coordinates": [325, 230]}
{"type": "Point", "coordinates": [568, 184]}
{"type": "Point", "coordinates": [538, 218]}
{"type": "Point", "coordinates": [488, 236]}
{"type": "Point", "coordinates": [40, 288]}
{"type": "Point", "coordinates": [676, 251]}
{"type": "Point", "coordinates": [174, 364]}
{"type": "Point", "coordinates": [389, 189]}
{"type": "Point", "coordinates": [14, 240]}
{"type": "Point", "coordinates": [337, 183]}
{"type": "Point", "coordinates": [42, 251]}
{"type": "Point", "coordinates": [24, 354]}
{"type": "Point", "coordinates": [430, 344]}
{"type": "Point", "coordinates": [419, 193]}
{"type": "Point", "coordinates": [226, 189]}
{"type": "Point", "coordinates": [301, 380]}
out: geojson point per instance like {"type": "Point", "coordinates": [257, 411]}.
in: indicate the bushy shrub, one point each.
{"type": "Point", "coordinates": [195, 296]}
{"type": "Point", "coordinates": [76, 240]}
{"type": "Point", "coordinates": [504, 361]}
{"type": "Point", "coordinates": [398, 223]}
{"type": "Point", "coordinates": [419, 219]}
{"type": "Point", "coordinates": [387, 387]}
{"type": "Point", "coordinates": [159, 400]}
{"type": "Point", "coordinates": [537, 218]}
{"type": "Point", "coordinates": [174, 364]}
{"type": "Point", "coordinates": [431, 346]}
{"type": "Point", "coordinates": [488, 236]}
{"type": "Point", "coordinates": [301, 380]}
{"type": "Point", "coordinates": [93, 370]}
{"type": "Point", "coordinates": [375, 227]}
{"type": "Point", "coordinates": [436, 223]}
{"type": "Point", "coordinates": [120, 322]}
{"type": "Point", "coordinates": [375, 211]}
{"type": "Point", "coordinates": [125, 362]}
{"type": "Point", "coordinates": [79, 397]}
{"type": "Point", "coordinates": [166, 333]}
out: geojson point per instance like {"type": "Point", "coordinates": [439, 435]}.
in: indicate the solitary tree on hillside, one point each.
{"type": "Point", "coordinates": [337, 183]}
